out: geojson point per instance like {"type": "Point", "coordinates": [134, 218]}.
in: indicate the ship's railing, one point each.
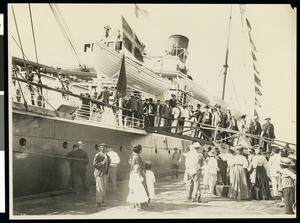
{"type": "Point", "coordinates": [216, 134]}
{"type": "Point", "coordinates": [87, 108]}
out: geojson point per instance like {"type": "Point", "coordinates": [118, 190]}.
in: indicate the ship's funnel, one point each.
{"type": "Point", "coordinates": [178, 46]}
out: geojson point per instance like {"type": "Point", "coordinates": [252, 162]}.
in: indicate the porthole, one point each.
{"type": "Point", "coordinates": [121, 148]}
{"type": "Point", "coordinates": [65, 145]}
{"type": "Point", "coordinates": [96, 146]}
{"type": "Point", "coordinates": [156, 151]}
{"type": "Point", "coordinates": [169, 151]}
{"type": "Point", "coordinates": [22, 141]}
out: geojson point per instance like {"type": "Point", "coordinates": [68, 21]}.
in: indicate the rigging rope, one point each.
{"type": "Point", "coordinates": [21, 47]}
{"type": "Point", "coordinates": [36, 54]}
{"type": "Point", "coordinates": [65, 34]}
{"type": "Point", "coordinates": [235, 91]}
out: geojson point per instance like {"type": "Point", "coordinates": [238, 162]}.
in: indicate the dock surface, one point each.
{"type": "Point", "coordinates": [170, 202]}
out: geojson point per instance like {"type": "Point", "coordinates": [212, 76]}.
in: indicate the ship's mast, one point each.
{"type": "Point", "coordinates": [226, 57]}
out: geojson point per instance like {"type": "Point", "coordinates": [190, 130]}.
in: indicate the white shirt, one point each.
{"type": "Point", "coordinates": [239, 160]}
{"type": "Point", "coordinates": [192, 161]}
{"type": "Point", "coordinates": [115, 159]}
{"type": "Point", "coordinates": [212, 165]}
{"type": "Point", "coordinates": [185, 113]}
{"type": "Point", "coordinates": [259, 160]}
{"type": "Point", "coordinates": [274, 164]}
{"type": "Point", "coordinates": [176, 112]}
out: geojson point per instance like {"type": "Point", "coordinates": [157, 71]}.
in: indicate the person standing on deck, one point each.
{"type": "Point", "coordinates": [176, 113]}
{"type": "Point", "coordinates": [113, 169]}
{"type": "Point", "coordinates": [158, 113]}
{"type": "Point", "coordinates": [268, 132]}
{"type": "Point", "coordinates": [166, 114]}
{"type": "Point", "coordinates": [173, 101]}
{"type": "Point", "coordinates": [206, 120]}
{"type": "Point", "coordinates": [217, 118]}
{"type": "Point", "coordinates": [80, 160]}
{"type": "Point", "coordinates": [255, 129]}
{"type": "Point", "coordinates": [101, 163]}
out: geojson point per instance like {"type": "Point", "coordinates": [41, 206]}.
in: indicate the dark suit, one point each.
{"type": "Point", "coordinates": [268, 132]}
{"type": "Point", "coordinates": [166, 114]}
{"type": "Point", "coordinates": [255, 129]}
{"type": "Point", "coordinates": [80, 160]}
{"type": "Point", "coordinates": [206, 120]}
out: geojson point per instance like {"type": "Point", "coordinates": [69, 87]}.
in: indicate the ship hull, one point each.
{"type": "Point", "coordinates": [40, 167]}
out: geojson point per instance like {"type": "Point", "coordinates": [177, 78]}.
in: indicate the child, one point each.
{"type": "Point", "coordinates": [288, 184]}
{"type": "Point", "coordinates": [205, 175]}
{"type": "Point", "coordinates": [150, 180]}
{"type": "Point", "coordinates": [137, 193]}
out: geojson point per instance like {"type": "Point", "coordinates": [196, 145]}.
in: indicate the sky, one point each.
{"type": "Point", "coordinates": [206, 26]}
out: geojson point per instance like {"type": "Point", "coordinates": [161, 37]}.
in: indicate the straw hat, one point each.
{"type": "Point", "coordinates": [286, 161]}
{"type": "Point", "coordinates": [80, 143]}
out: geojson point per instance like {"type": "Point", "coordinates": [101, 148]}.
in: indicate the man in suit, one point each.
{"type": "Point", "coordinates": [206, 121]}
{"type": "Point", "coordinates": [132, 106]}
{"type": "Point", "coordinates": [101, 163]}
{"type": "Point", "coordinates": [172, 101]}
{"type": "Point", "coordinates": [255, 129]}
{"type": "Point", "coordinates": [268, 132]}
{"type": "Point", "coordinates": [166, 114]}
{"type": "Point", "coordinates": [80, 160]}
{"type": "Point", "coordinates": [158, 113]}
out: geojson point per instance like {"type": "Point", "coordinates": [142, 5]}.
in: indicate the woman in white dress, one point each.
{"type": "Point", "coordinates": [137, 193]}
{"type": "Point", "coordinates": [238, 186]}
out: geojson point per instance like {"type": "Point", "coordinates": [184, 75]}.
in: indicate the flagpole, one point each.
{"type": "Point", "coordinates": [226, 57]}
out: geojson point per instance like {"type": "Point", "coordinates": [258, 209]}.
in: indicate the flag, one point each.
{"type": "Point", "coordinates": [132, 42]}
{"type": "Point", "coordinates": [122, 81]}
{"type": "Point", "coordinates": [257, 91]}
{"type": "Point", "coordinates": [257, 80]}
{"type": "Point", "coordinates": [248, 24]}
{"type": "Point", "coordinates": [138, 10]}
{"type": "Point", "coordinates": [257, 102]}
{"type": "Point", "coordinates": [253, 56]}
{"type": "Point", "coordinates": [254, 67]}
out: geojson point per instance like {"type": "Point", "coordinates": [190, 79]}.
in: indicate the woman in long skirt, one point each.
{"type": "Point", "coordinates": [238, 188]}
{"type": "Point", "coordinates": [261, 186]}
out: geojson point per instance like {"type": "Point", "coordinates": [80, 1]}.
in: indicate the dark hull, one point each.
{"type": "Point", "coordinates": [46, 170]}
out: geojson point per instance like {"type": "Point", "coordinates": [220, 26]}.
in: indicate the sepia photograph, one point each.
{"type": "Point", "coordinates": [151, 111]}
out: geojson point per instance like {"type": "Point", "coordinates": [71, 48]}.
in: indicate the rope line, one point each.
{"type": "Point", "coordinates": [36, 54]}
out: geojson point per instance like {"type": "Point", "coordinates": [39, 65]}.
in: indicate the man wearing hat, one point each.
{"type": "Point", "coordinates": [193, 163]}
{"type": "Point", "coordinates": [288, 184]}
{"type": "Point", "coordinates": [206, 120]}
{"type": "Point", "coordinates": [132, 106]}
{"type": "Point", "coordinates": [175, 163]}
{"type": "Point", "coordinates": [274, 166]}
{"type": "Point", "coordinates": [255, 129]}
{"type": "Point", "coordinates": [217, 118]}
{"type": "Point", "coordinates": [101, 163]}
{"type": "Point", "coordinates": [166, 113]}
{"type": "Point", "coordinates": [139, 107]}
{"type": "Point", "coordinates": [173, 101]}
{"type": "Point", "coordinates": [176, 113]}
{"type": "Point", "coordinates": [104, 95]}
{"type": "Point", "coordinates": [268, 132]}
{"type": "Point", "coordinates": [80, 160]}
{"type": "Point", "coordinates": [198, 118]}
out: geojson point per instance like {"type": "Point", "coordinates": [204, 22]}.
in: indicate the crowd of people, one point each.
{"type": "Point", "coordinates": [241, 173]}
